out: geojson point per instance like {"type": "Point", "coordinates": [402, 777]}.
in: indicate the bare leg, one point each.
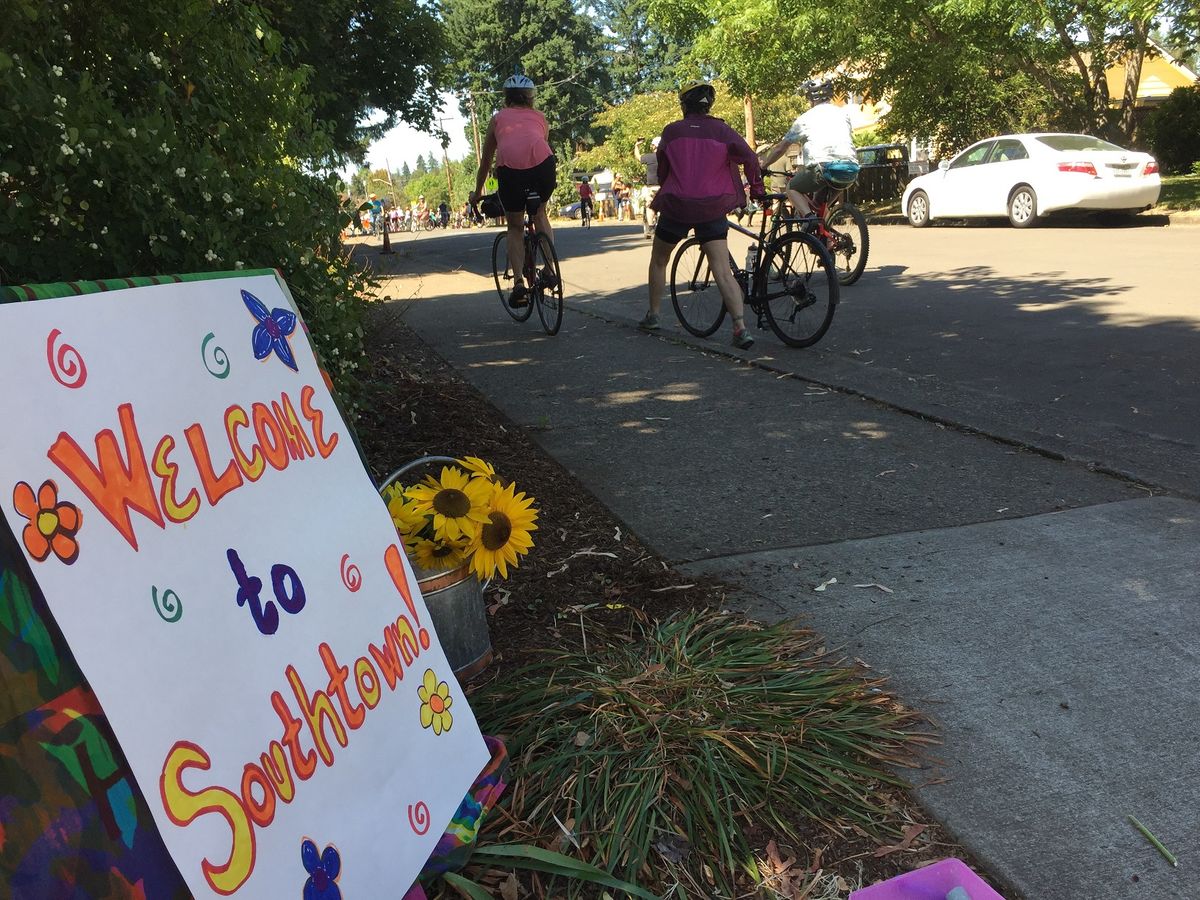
{"type": "Point", "coordinates": [799, 203]}
{"type": "Point", "coordinates": [731, 292]}
{"type": "Point", "coordinates": [542, 221]}
{"type": "Point", "coordinates": [516, 244]}
{"type": "Point", "coordinates": [660, 255]}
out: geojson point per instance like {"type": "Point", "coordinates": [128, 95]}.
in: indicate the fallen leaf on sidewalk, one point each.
{"type": "Point", "coordinates": [886, 472]}
{"type": "Point", "coordinates": [617, 536]}
{"type": "Point", "coordinates": [824, 584]}
{"type": "Point", "coordinates": [884, 588]}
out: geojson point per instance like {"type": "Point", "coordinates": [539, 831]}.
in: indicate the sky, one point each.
{"type": "Point", "coordinates": [403, 144]}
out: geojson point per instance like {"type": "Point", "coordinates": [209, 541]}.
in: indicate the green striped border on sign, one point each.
{"type": "Point", "coordinates": [14, 293]}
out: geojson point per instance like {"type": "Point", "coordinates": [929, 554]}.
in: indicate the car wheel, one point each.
{"type": "Point", "coordinates": [1022, 207]}
{"type": "Point", "coordinates": [918, 209]}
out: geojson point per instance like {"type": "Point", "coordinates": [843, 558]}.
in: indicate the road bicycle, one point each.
{"type": "Point", "coordinates": [790, 282]}
{"type": "Point", "coordinates": [840, 225]}
{"type": "Point", "coordinates": [585, 215]}
{"type": "Point", "coordinates": [541, 272]}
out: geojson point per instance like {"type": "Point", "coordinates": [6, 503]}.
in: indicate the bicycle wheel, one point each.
{"type": "Point", "coordinates": [547, 284]}
{"type": "Point", "coordinates": [502, 273]}
{"type": "Point", "coordinates": [798, 288]}
{"type": "Point", "coordinates": [849, 242]}
{"type": "Point", "coordinates": [694, 292]}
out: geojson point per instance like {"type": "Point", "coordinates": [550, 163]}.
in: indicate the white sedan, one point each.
{"type": "Point", "coordinates": [1026, 176]}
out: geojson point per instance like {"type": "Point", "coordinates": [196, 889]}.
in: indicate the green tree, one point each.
{"type": "Point", "coordinates": [1173, 130]}
{"type": "Point", "coordinates": [559, 47]}
{"type": "Point", "coordinates": [420, 168]}
{"type": "Point", "coordinates": [372, 63]}
{"type": "Point", "coordinates": [145, 139]}
{"type": "Point", "coordinates": [641, 58]}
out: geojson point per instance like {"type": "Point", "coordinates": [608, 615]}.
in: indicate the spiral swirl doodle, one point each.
{"type": "Point", "coordinates": [418, 817]}
{"type": "Point", "coordinates": [66, 365]}
{"type": "Point", "coordinates": [170, 607]}
{"type": "Point", "coordinates": [351, 576]}
{"type": "Point", "coordinates": [219, 359]}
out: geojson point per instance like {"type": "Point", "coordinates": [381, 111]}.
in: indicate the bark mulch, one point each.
{"type": "Point", "coordinates": [584, 561]}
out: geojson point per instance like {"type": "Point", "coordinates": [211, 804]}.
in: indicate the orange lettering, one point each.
{"type": "Point", "coordinates": [315, 418]}
{"type": "Point", "coordinates": [262, 814]}
{"type": "Point", "coordinates": [277, 770]}
{"type": "Point", "coordinates": [317, 710]}
{"type": "Point", "coordinates": [352, 712]}
{"type": "Point", "coordinates": [252, 467]}
{"type": "Point", "coordinates": [367, 681]}
{"type": "Point", "coordinates": [215, 487]}
{"type": "Point", "coordinates": [297, 441]}
{"type": "Point", "coordinates": [275, 447]}
{"type": "Point", "coordinates": [114, 486]}
{"type": "Point", "coordinates": [304, 763]}
{"type": "Point", "coordinates": [389, 657]}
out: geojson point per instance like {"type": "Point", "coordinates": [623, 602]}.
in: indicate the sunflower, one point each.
{"type": "Point", "coordinates": [510, 519]}
{"type": "Point", "coordinates": [438, 555]}
{"type": "Point", "coordinates": [478, 468]}
{"type": "Point", "coordinates": [404, 516]}
{"type": "Point", "coordinates": [435, 703]}
{"type": "Point", "coordinates": [458, 503]}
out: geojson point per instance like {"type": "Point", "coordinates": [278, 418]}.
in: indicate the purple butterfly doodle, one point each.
{"type": "Point", "coordinates": [272, 331]}
{"type": "Point", "coordinates": [323, 871]}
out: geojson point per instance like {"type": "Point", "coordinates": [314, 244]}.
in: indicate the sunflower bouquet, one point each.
{"type": "Point", "coordinates": [464, 514]}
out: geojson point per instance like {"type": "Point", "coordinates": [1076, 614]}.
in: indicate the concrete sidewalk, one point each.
{"type": "Point", "coordinates": [1019, 583]}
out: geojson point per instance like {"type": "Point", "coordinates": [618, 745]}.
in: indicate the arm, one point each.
{"type": "Point", "coordinates": [485, 163]}
{"type": "Point", "coordinates": [775, 152]}
{"type": "Point", "coordinates": [740, 151]}
{"type": "Point", "coordinates": [637, 150]}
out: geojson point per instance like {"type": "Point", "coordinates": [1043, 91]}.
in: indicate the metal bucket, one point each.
{"type": "Point", "coordinates": [455, 603]}
{"type": "Point", "coordinates": [454, 600]}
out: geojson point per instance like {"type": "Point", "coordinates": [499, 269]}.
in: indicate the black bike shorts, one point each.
{"type": "Point", "coordinates": [515, 184]}
{"type": "Point", "coordinates": [673, 232]}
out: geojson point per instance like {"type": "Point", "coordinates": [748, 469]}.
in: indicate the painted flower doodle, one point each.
{"type": "Point", "coordinates": [323, 870]}
{"type": "Point", "coordinates": [435, 703]}
{"type": "Point", "coordinates": [52, 525]}
{"type": "Point", "coordinates": [272, 331]}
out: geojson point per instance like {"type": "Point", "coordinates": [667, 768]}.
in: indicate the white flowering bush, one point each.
{"type": "Point", "coordinates": [166, 138]}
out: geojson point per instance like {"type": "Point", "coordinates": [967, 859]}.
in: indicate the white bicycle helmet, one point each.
{"type": "Point", "coordinates": [518, 82]}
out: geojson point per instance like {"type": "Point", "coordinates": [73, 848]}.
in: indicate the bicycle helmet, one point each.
{"type": "Point", "coordinates": [654, 143]}
{"type": "Point", "coordinates": [818, 91]}
{"type": "Point", "coordinates": [519, 89]}
{"type": "Point", "coordinates": [697, 96]}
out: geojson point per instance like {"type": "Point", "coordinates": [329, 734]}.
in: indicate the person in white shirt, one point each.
{"type": "Point", "coordinates": [827, 135]}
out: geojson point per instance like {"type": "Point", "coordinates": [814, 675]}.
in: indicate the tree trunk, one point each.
{"type": "Point", "coordinates": [749, 121]}
{"type": "Point", "coordinates": [1133, 77]}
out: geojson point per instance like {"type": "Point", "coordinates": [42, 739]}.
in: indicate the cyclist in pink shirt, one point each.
{"type": "Point", "coordinates": [518, 137]}
{"type": "Point", "coordinates": [698, 160]}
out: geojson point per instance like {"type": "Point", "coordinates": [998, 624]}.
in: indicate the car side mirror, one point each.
{"type": "Point", "coordinates": [944, 165]}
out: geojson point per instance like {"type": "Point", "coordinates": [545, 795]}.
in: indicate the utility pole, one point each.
{"type": "Point", "coordinates": [446, 162]}
{"type": "Point", "coordinates": [474, 127]}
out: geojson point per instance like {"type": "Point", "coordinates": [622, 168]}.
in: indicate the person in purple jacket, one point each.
{"type": "Point", "coordinates": [698, 159]}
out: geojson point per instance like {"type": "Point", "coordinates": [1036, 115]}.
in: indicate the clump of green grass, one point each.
{"type": "Point", "coordinates": [656, 749]}
{"type": "Point", "coordinates": [1180, 192]}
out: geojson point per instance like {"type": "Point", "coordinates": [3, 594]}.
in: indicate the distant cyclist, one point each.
{"type": "Point", "coordinates": [827, 134]}
{"type": "Point", "coordinates": [586, 195]}
{"type": "Point", "coordinates": [697, 168]}
{"type": "Point", "coordinates": [519, 138]}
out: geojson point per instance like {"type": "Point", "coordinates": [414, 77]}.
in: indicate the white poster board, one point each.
{"type": "Point", "coordinates": [196, 514]}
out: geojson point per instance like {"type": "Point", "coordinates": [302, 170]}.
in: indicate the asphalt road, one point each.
{"type": "Point", "coordinates": [1042, 612]}
{"type": "Point", "coordinates": [1080, 341]}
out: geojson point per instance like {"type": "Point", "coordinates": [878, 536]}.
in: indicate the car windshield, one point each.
{"type": "Point", "coordinates": [1069, 142]}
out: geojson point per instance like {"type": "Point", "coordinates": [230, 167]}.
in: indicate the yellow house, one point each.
{"type": "Point", "coordinates": [1161, 73]}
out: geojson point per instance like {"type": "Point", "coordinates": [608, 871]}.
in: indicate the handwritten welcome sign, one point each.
{"type": "Point", "coordinates": [194, 510]}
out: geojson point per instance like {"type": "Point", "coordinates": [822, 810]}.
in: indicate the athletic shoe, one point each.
{"type": "Point", "coordinates": [742, 339]}
{"type": "Point", "coordinates": [549, 277]}
{"type": "Point", "coordinates": [649, 323]}
{"type": "Point", "coordinates": [519, 296]}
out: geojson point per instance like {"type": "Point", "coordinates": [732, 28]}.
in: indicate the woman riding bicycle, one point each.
{"type": "Point", "coordinates": [518, 137]}
{"type": "Point", "coordinates": [699, 186]}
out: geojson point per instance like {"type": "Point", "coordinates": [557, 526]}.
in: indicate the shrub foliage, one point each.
{"type": "Point", "coordinates": [1173, 130]}
{"type": "Point", "coordinates": [169, 137]}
